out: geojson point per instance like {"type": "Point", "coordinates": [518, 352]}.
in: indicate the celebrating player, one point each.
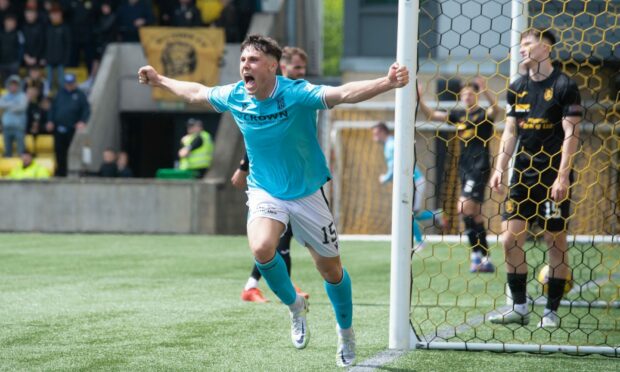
{"type": "Point", "coordinates": [381, 134]}
{"type": "Point", "coordinates": [293, 66]}
{"type": "Point", "coordinates": [277, 117]}
{"type": "Point", "coordinates": [474, 129]}
{"type": "Point", "coordinates": [544, 113]}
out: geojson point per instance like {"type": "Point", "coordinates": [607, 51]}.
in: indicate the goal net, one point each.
{"type": "Point", "coordinates": [460, 40]}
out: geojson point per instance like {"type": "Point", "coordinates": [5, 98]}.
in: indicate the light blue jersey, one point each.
{"type": "Point", "coordinates": [280, 135]}
{"type": "Point", "coordinates": [388, 154]}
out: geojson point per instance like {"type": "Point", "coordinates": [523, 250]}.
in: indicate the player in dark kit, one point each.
{"type": "Point", "coordinates": [544, 114]}
{"type": "Point", "coordinates": [474, 126]}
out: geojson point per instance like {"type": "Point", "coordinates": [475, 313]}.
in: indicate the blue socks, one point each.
{"type": "Point", "coordinates": [423, 215]}
{"type": "Point", "coordinates": [342, 300]}
{"type": "Point", "coordinates": [417, 232]}
{"type": "Point", "coordinates": [276, 275]}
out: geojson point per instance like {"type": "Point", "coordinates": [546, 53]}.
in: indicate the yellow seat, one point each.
{"type": "Point", "coordinates": [29, 142]}
{"type": "Point", "coordinates": [47, 162]}
{"type": "Point", "coordinates": [44, 144]}
{"type": "Point", "coordinates": [7, 164]}
{"type": "Point", "coordinates": [81, 73]}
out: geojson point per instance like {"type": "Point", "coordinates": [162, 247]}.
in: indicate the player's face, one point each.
{"type": "Point", "coordinates": [378, 135]}
{"type": "Point", "coordinates": [296, 69]}
{"type": "Point", "coordinates": [257, 70]}
{"type": "Point", "coordinates": [534, 50]}
{"type": "Point", "coordinates": [468, 97]}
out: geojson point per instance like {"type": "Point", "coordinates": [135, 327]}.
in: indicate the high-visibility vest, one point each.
{"type": "Point", "coordinates": [33, 171]}
{"type": "Point", "coordinates": [199, 158]}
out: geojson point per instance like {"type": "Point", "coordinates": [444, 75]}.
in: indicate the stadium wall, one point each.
{"type": "Point", "coordinates": [121, 206]}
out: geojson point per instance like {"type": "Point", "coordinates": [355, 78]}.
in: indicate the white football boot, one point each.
{"type": "Point", "coordinates": [299, 326]}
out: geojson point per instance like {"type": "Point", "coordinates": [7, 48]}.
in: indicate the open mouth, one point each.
{"type": "Point", "coordinates": [249, 81]}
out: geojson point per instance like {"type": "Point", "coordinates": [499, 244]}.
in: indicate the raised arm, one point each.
{"type": "Point", "coordinates": [431, 114]}
{"type": "Point", "coordinates": [494, 111]}
{"type": "Point", "coordinates": [189, 91]}
{"type": "Point", "coordinates": [358, 91]}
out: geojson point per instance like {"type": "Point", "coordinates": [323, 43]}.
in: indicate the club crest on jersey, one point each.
{"type": "Point", "coordinates": [244, 106]}
{"type": "Point", "coordinates": [509, 206]}
{"type": "Point", "coordinates": [280, 103]}
{"type": "Point", "coordinates": [548, 94]}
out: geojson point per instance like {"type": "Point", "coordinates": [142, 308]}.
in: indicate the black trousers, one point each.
{"type": "Point", "coordinates": [62, 141]}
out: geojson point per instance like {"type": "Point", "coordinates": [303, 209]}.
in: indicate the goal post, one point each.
{"type": "Point", "coordinates": [435, 302]}
{"type": "Point", "coordinates": [402, 195]}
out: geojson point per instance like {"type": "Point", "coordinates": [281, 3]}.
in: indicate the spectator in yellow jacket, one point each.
{"type": "Point", "coordinates": [28, 169]}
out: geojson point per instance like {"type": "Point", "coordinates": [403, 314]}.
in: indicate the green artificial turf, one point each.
{"type": "Point", "coordinates": [138, 303]}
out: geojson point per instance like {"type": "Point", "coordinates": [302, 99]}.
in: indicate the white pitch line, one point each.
{"type": "Point", "coordinates": [379, 360]}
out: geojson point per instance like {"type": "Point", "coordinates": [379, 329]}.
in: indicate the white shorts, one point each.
{"type": "Point", "coordinates": [310, 218]}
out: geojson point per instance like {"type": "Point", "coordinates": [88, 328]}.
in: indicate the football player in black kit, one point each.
{"type": "Point", "coordinates": [543, 118]}
{"type": "Point", "coordinates": [474, 129]}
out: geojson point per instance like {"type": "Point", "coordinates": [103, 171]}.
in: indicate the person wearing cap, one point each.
{"type": "Point", "coordinates": [197, 150]}
{"type": "Point", "coordinates": [28, 169]}
{"type": "Point", "coordinates": [14, 104]}
{"type": "Point", "coordinates": [69, 112]}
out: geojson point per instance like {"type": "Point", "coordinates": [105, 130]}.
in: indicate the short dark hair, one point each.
{"type": "Point", "coordinates": [381, 126]}
{"type": "Point", "coordinates": [540, 34]}
{"type": "Point", "coordinates": [289, 52]}
{"type": "Point", "coordinates": [194, 122]}
{"type": "Point", "coordinates": [471, 85]}
{"type": "Point", "coordinates": [265, 44]}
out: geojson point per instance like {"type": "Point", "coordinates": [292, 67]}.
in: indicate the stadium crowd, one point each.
{"type": "Point", "coordinates": [39, 39]}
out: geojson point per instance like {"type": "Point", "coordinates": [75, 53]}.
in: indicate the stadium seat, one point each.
{"type": "Point", "coordinates": [44, 144]}
{"type": "Point", "coordinates": [7, 164]}
{"type": "Point", "coordinates": [48, 162]}
{"type": "Point", "coordinates": [29, 142]}
{"type": "Point", "coordinates": [81, 73]}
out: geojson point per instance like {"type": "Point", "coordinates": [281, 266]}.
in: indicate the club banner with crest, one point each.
{"type": "Point", "coordinates": [190, 54]}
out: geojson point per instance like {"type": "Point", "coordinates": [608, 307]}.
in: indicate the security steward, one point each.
{"type": "Point", "coordinates": [197, 151]}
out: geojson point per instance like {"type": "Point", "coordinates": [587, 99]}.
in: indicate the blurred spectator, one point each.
{"type": "Point", "coordinates": [197, 150]}
{"type": "Point", "coordinates": [34, 37]}
{"type": "Point", "coordinates": [36, 114]}
{"type": "Point", "coordinates": [35, 79]}
{"type": "Point", "coordinates": [235, 19]}
{"type": "Point", "coordinates": [5, 8]}
{"type": "Point", "coordinates": [106, 30]}
{"type": "Point", "coordinates": [11, 47]}
{"type": "Point", "coordinates": [33, 113]}
{"type": "Point", "coordinates": [122, 165]}
{"type": "Point", "coordinates": [82, 15]}
{"type": "Point", "coordinates": [57, 46]}
{"type": "Point", "coordinates": [186, 15]}
{"type": "Point", "coordinates": [28, 169]}
{"type": "Point", "coordinates": [210, 10]}
{"type": "Point", "coordinates": [108, 167]}
{"type": "Point", "coordinates": [14, 103]}
{"type": "Point", "coordinates": [132, 15]}
{"type": "Point", "coordinates": [166, 11]}
{"type": "Point", "coordinates": [70, 111]}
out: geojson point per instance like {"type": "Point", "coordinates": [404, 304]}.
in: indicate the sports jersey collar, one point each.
{"type": "Point", "coordinates": [275, 88]}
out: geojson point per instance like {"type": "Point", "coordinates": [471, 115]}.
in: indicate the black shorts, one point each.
{"type": "Point", "coordinates": [530, 200]}
{"type": "Point", "coordinates": [473, 183]}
